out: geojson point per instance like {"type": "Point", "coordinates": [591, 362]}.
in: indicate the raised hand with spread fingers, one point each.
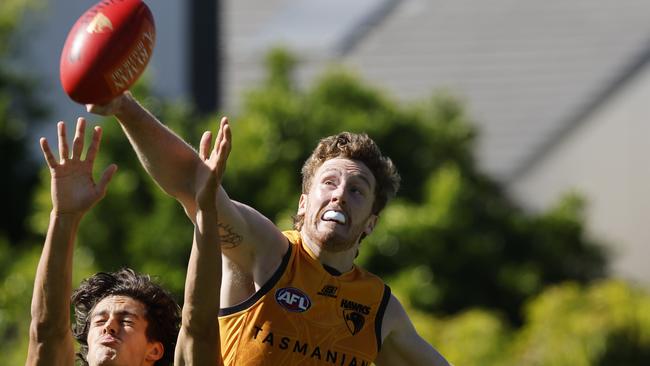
{"type": "Point", "coordinates": [74, 192]}
{"type": "Point", "coordinates": [198, 339]}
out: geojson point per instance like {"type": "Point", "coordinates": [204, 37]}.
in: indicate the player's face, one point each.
{"type": "Point", "coordinates": [338, 207]}
{"type": "Point", "coordinates": [117, 334]}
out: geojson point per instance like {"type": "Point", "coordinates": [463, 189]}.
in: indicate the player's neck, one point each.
{"type": "Point", "coordinates": [341, 261]}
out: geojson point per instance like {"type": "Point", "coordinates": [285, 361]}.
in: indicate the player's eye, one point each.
{"type": "Point", "coordinates": [358, 190]}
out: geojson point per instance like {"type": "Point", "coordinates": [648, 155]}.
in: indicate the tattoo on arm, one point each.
{"type": "Point", "coordinates": [229, 238]}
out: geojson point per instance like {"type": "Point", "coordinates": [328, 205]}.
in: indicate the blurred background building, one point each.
{"type": "Point", "coordinates": [558, 89]}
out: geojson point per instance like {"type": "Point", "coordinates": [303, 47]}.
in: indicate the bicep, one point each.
{"type": "Point", "coordinates": [246, 234]}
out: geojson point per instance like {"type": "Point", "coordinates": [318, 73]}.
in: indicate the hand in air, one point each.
{"type": "Point", "coordinates": [73, 189]}
{"type": "Point", "coordinates": [215, 160]}
{"type": "Point", "coordinates": [111, 108]}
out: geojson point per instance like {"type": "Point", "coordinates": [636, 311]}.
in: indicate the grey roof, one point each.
{"type": "Point", "coordinates": [529, 71]}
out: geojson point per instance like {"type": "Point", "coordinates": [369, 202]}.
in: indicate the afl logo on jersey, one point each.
{"type": "Point", "coordinates": [292, 299]}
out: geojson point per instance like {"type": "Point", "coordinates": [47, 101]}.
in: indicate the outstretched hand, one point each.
{"type": "Point", "coordinates": [73, 189]}
{"type": "Point", "coordinates": [216, 163]}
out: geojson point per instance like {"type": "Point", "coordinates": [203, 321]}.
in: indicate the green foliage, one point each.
{"type": "Point", "coordinates": [19, 107]}
{"type": "Point", "coordinates": [604, 324]}
{"type": "Point", "coordinates": [479, 250]}
{"type": "Point", "coordinates": [11, 16]}
{"type": "Point", "coordinates": [451, 222]}
{"type": "Point", "coordinates": [452, 245]}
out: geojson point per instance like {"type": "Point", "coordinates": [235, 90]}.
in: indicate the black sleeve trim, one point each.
{"type": "Point", "coordinates": [380, 315]}
{"type": "Point", "coordinates": [263, 290]}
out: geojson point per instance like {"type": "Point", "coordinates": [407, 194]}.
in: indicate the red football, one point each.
{"type": "Point", "coordinates": [106, 51]}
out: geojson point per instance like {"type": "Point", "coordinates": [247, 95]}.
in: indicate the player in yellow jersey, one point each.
{"type": "Point", "coordinates": [294, 298]}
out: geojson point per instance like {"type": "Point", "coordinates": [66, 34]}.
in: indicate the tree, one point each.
{"type": "Point", "coordinates": [604, 323]}
{"type": "Point", "coordinates": [452, 241]}
{"type": "Point", "coordinates": [19, 108]}
{"type": "Point", "coordinates": [453, 238]}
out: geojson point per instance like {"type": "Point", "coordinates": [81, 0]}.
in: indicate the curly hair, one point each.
{"type": "Point", "coordinates": [163, 313]}
{"type": "Point", "coordinates": [358, 147]}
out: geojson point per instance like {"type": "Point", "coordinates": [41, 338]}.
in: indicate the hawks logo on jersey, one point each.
{"type": "Point", "coordinates": [354, 321]}
{"type": "Point", "coordinates": [353, 314]}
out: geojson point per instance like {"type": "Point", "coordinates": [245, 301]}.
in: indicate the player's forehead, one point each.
{"type": "Point", "coordinates": [119, 304]}
{"type": "Point", "coordinates": [348, 168]}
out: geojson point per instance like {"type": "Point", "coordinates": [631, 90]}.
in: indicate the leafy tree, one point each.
{"type": "Point", "coordinates": [603, 324]}
{"type": "Point", "coordinates": [451, 243]}
{"type": "Point", "coordinates": [461, 240]}
{"type": "Point", "coordinates": [453, 235]}
{"type": "Point", "coordinates": [19, 108]}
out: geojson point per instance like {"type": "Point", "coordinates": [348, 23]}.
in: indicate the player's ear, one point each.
{"type": "Point", "coordinates": [370, 224]}
{"type": "Point", "coordinates": [302, 204]}
{"type": "Point", "coordinates": [155, 351]}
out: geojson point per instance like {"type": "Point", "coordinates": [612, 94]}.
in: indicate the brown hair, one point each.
{"type": "Point", "coordinates": [163, 313]}
{"type": "Point", "coordinates": [358, 147]}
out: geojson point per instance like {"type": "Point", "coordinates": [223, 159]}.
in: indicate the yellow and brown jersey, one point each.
{"type": "Point", "coordinates": [306, 315]}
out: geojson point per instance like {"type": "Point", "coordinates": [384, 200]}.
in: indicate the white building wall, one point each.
{"type": "Point", "coordinates": [605, 159]}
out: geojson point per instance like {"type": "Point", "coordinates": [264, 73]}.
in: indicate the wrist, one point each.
{"type": "Point", "coordinates": [127, 107]}
{"type": "Point", "coordinates": [67, 216]}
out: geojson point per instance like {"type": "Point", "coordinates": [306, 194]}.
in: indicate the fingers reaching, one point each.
{"type": "Point", "coordinates": [223, 146]}
{"type": "Point", "coordinates": [105, 179]}
{"type": "Point", "coordinates": [204, 145]}
{"type": "Point", "coordinates": [94, 145]}
{"type": "Point", "coordinates": [63, 142]}
{"type": "Point", "coordinates": [78, 141]}
{"type": "Point", "coordinates": [67, 162]}
{"type": "Point", "coordinates": [73, 189]}
{"type": "Point", "coordinates": [77, 144]}
{"type": "Point", "coordinates": [111, 108]}
{"type": "Point", "coordinates": [47, 153]}
{"type": "Point", "coordinates": [216, 158]}
{"type": "Point", "coordinates": [221, 135]}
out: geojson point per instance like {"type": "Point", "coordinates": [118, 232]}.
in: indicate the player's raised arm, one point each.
{"type": "Point", "coordinates": [247, 236]}
{"type": "Point", "coordinates": [172, 162]}
{"type": "Point", "coordinates": [198, 340]}
{"type": "Point", "coordinates": [179, 171]}
{"type": "Point", "coordinates": [74, 192]}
